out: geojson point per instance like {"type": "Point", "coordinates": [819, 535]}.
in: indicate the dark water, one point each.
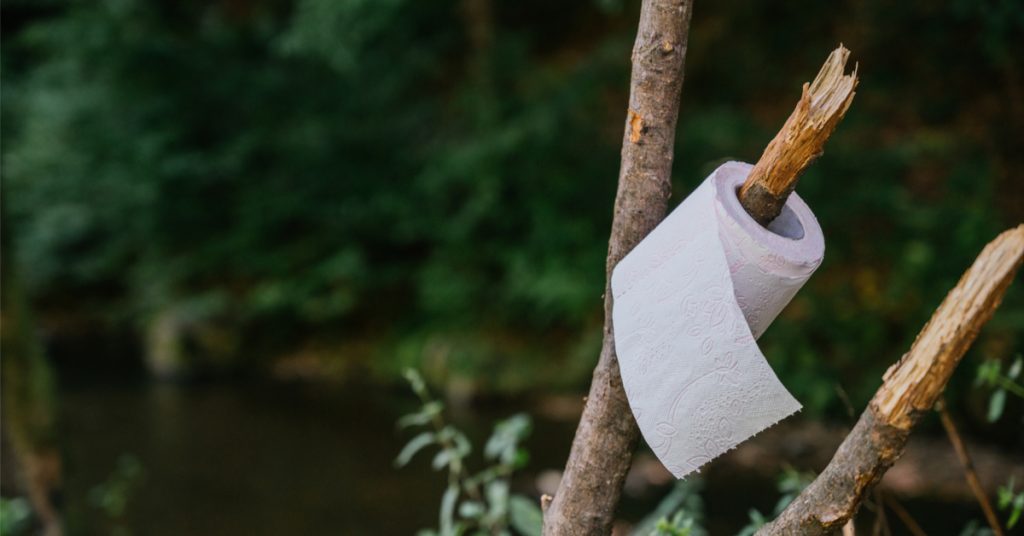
{"type": "Point", "coordinates": [260, 458]}
{"type": "Point", "coordinates": [252, 458]}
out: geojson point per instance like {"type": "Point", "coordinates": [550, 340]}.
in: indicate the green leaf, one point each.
{"type": "Point", "coordinates": [414, 445]}
{"type": "Point", "coordinates": [783, 503]}
{"type": "Point", "coordinates": [497, 497]}
{"type": "Point", "coordinates": [442, 459]}
{"type": "Point", "coordinates": [412, 419]}
{"type": "Point", "coordinates": [416, 381]}
{"type": "Point", "coordinates": [507, 434]}
{"type": "Point", "coordinates": [996, 405]}
{"type": "Point", "coordinates": [447, 433]}
{"type": "Point", "coordinates": [1006, 493]}
{"type": "Point", "coordinates": [684, 497]}
{"type": "Point", "coordinates": [15, 516]}
{"type": "Point", "coordinates": [1015, 368]}
{"type": "Point", "coordinates": [757, 520]}
{"type": "Point", "coordinates": [1014, 518]}
{"type": "Point", "coordinates": [448, 510]}
{"type": "Point", "coordinates": [679, 525]}
{"type": "Point", "coordinates": [525, 516]}
{"type": "Point", "coordinates": [494, 446]}
{"type": "Point", "coordinates": [462, 444]}
{"type": "Point", "coordinates": [424, 416]}
{"type": "Point", "coordinates": [471, 509]}
{"type": "Point", "coordinates": [988, 372]}
{"type": "Point", "coordinates": [1018, 507]}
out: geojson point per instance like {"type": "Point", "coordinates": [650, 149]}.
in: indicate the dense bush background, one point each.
{"type": "Point", "coordinates": [429, 183]}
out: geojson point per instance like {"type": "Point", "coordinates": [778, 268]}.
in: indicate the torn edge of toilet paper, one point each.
{"type": "Point", "coordinates": [685, 302]}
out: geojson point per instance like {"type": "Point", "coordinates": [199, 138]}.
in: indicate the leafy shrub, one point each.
{"type": "Point", "coordinates": [473, 503]}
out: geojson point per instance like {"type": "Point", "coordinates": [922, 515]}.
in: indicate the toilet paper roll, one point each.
{"type": "Point", "coordinates": [689, 302]}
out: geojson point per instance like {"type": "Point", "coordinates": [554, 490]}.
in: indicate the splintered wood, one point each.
{"type": "Point", "coordinates": [909, 388]}
{"type": "Point", "coordinates": [822, 105]}
{"type": "Point", "coordinates": [914, 383]}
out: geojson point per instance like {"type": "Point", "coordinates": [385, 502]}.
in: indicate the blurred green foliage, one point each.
{"type": "Point", "coordinates": [680, 512]}
{"type": "Point", "coordinates": [15, 516]}
{"type": "Point", "coordinates": [437, 177]}
{"type": "Point", "coordinates": [1013, 501]}
{"type": "Point", "coordinates": [477, 503]}
{"type": "Point", "coordinates": [790, 484]}
{"type": "Point", "coordinates": [112, 496]}
{"type": "Point", "coordinates": [990, 375]}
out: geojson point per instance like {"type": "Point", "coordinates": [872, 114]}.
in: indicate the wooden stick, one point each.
{"type": "Point", "coordinates": [801, 140]}
{"type": "Point", "coordinates": [607, 434]}
{"type": "Point", "coordinates": [965, 460]}
{"type": "Point", "coordinates": [909, 388]}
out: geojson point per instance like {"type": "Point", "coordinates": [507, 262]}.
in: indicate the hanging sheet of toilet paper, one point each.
{"type": "Point", "coordinates": [689, 303]}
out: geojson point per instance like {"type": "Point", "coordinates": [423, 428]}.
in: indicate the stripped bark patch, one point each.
{"type": "Point", "coordinates": [636, 126]}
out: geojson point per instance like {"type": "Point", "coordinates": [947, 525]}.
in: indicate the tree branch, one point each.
{"type": "Point", "coordinates": [801, 140]}
{"type": "Point", "coordinates": [909, 388]}
{"type": "Point", "coordinates": [607, 434]}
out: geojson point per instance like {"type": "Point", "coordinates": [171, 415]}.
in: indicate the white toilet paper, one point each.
{"type": "Point", "coordinates": [690, 300]}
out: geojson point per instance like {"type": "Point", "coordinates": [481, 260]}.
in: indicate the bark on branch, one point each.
{"type": "Point", "coordinates": [909, 388]}
{"type": "Point", "coordinates": [607, 434]}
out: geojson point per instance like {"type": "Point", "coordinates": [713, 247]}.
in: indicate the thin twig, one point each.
{"type": "Point", "coordinates": [881, 522]}
{"type": "Point", "coordinates": [1010, 385]}
{"type": "Point", "coordinates": [905, 517]}
{"type": "Point", "coordinates": [845, 399]}
{"type": "Point", "coordinates": [969, 472]}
